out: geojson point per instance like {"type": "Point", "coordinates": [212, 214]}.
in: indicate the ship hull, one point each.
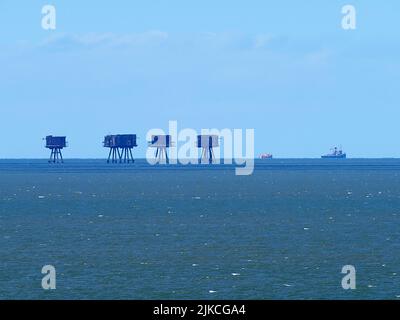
{"type": "Point", "coordinates": [342, 156]}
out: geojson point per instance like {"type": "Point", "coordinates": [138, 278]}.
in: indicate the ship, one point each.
{"type": "Point", "coordinates": [337, 153]}
{"type": "Point", "coordinates": [266, 156]}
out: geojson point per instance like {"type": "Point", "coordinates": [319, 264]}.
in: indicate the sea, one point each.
{"type": "Point", "coordinates": [137, 231]}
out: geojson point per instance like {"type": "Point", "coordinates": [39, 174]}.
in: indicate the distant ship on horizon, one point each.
{"type": "Point", "coordinates": [337, 153]}
{"type": "Point", "coordinates": [266, 156]}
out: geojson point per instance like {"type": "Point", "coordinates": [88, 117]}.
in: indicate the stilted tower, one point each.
{"type": "Point", "coordinates": [56, 144]}
{"type": "Point", "coordinates": [207, 143]}
{"type": "Point", "coordinates": [121, 146]}
{"type": "Point", "coordinates": [161, 143]}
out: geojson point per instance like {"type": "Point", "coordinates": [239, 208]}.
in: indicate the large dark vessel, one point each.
{"type": "Point", "coordinates": [335, 154]}
{"type": "Point", "coordinates": [266, 156]}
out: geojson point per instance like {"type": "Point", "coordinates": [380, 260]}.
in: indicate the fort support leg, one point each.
{"type": "Point", "coordinates": [205, 155]}
{"type": "Point", "coordinates": [61, 157]}
{"type": "Point", "coordinates": [120, 154]}
{"type": "Point", "coordinates": [166, 155]}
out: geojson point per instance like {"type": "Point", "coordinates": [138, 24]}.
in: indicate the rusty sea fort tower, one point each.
{"type": "Point", "coordinates": [120, 146]}
{"type": "Point", "coordinates": [207, 143]}
{"type": "Point", "coordinates": [56, 144]}
{"type": "Point", "coordinates": [161, 143]}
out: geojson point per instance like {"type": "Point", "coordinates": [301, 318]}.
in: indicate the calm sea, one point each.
{"type": "Point", "coordinates": [199, 232]}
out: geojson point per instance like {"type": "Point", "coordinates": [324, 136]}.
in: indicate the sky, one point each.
{"type": "Point", "coordinates": [284, 68]}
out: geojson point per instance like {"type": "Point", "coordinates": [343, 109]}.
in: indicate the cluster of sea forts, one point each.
{"type": "Point", "coordinates": [121, 146]}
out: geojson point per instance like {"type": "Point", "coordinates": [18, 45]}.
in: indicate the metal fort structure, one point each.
{"type": "Point", "coordinates": [56, 144]}
{"type": "Point", "coordinates": [121, 146]}
{"type": "Point", "coordinates": [207, 143]}
{"type": "Point", "coordinates": [161, 143]}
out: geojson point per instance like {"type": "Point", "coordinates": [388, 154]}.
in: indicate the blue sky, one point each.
{"type": "Point", "coordinates": [285, 68]}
